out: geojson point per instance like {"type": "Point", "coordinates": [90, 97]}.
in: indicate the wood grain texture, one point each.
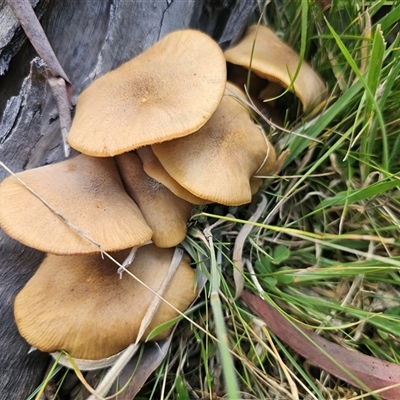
{"type": "Point", "coordinates": [12, 37]}
{"type": "Point", "coordinates": [89, 38]}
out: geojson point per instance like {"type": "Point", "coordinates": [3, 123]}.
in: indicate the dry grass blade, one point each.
{"type": "Point", "coordinates": [137, 371]}
{"type": "Point", "coordinates": [127, 354]}
{"type": "Point", "coordinates": [239, 245]}
{"type": "Point", "coordinates": [29, 22]}
{"type": "Point", "coordinates": [60, 92]}
{"type": "Point", "coordinates": [58, 79]}
{"type": "Point", "coordinates": [81, 364]}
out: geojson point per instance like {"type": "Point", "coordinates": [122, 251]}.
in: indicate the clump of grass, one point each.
{"type": "Point", "coordinates": [326, 249]}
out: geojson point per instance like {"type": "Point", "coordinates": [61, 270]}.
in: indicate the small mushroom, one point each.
{"type": "Point", "coordinates": [169, 91]}
{"type": "Point", "coordinates": [165, 213]}
{"type": "Point", "coordinates": [271, 59]}
{"type": "Point", "coordinates": [155, 170]}
{"type": "Point", "coordinates": [80, 305]}
{"type": "Point", "coordinates": [217, 162]}
{"type": "Point", "coordinates": [84, 192]}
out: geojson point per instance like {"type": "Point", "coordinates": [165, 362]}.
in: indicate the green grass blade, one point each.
{"type": "Point", "coordinates": [228, 369]}
{"type": "Point", "coordinates": [390, 19]}
{"type": "Point", "coordinates": [353, 196]}
{"type": "Point", "coordinates": [375, 67]}
{"type": "Point", "coordinates": [369, 97]}
{"type": "Point", "coordinates": [297, 144]}
{"type": "Point", "coordinates": [373, 80]}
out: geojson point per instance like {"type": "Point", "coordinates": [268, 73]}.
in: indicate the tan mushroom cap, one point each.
{"type": "Point", "coordinates": [166, 214]}
{"type": "Point", "coordinates": [270, 156]}
{"type": "Point", "coordinates": [155, 170]}
{"type": "Point", "coordinates": [257, 179]}
{"type": "Point", "coordinates": [87, 192]}
{"type": "Point", "coordinates": [275, 61]}
{"type": "Point", "coordinates": [217, 162]}
{"type": "Point", "coordinates": [79, 303]}
{"type": "Point", "coordinates": [167, 92]}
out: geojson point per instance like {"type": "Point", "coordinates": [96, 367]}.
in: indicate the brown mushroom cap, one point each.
{"type": "Point", "coordinates": [168, 91]}
{"type": "Point", "coordinates": [155, 170]}
{"type": "Point", "coordinates": [166, 214]}
{"type": "Point", "coordinates": [79, 303]}
{"type": "Point", "coordinates": [217, 162]}
{"type": "Point", "coordinates": [87, 192]}
{"type": "Point", "coordinates": [275, 61]}
{"type": "Point", "coordinates": [257, 179]}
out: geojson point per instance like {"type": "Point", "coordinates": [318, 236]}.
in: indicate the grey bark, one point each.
{"type": "Point", "coordinates": [12, 36]}
{"type": "Point", "coordinates": [89, 37]}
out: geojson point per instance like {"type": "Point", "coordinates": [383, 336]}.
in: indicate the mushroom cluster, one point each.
{"type": "Point", "coordinates": [161, 133]}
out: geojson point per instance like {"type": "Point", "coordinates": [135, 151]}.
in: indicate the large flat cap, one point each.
{"type": "Point", "coordinates": [85, 192]}
{"type": "Point", "coordinates": [167, 92]}
{"type": "Point", "coordinates": [79, 303]}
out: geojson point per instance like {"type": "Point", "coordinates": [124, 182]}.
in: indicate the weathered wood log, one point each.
{"type": "Point", "coordinates": [11, 35]}
{"type": "Point", "coordinates": [89, 38]}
